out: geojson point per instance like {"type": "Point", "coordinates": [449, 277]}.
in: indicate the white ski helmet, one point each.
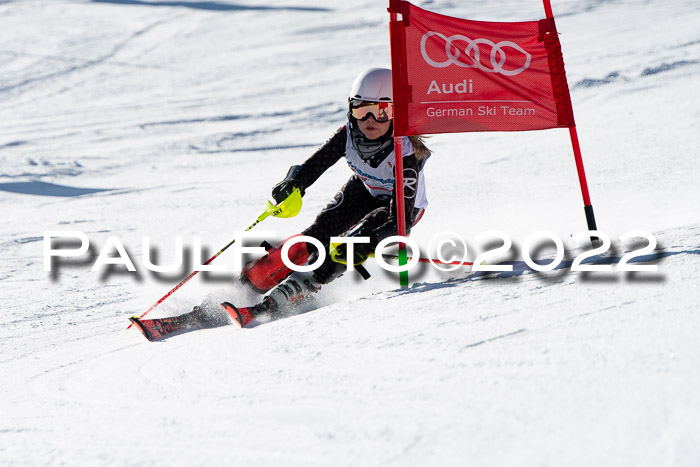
{"type": "Point", "coordinates": [373, 85]}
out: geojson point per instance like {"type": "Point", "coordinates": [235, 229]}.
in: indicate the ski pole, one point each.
{"type": "Point", "coordinates": [290, 207]}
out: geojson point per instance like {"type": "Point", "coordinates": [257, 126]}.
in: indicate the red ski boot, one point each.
{"type": "Point", "coordinates": [287, 296]}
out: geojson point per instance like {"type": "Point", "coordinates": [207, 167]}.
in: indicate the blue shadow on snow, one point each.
{"type": "Point", "coordinates": [47, 189]}
{"type": "Point", "coordinates": [210, 6]}
{"type": "Point", "coordinates": [520, 268]}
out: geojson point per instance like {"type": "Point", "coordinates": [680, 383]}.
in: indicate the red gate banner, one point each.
{"type": "Point", "coordinates": [453, 75]}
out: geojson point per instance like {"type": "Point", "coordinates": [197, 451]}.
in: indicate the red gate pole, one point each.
{"type": "Point", "coordinates": [400, 208]}
{"type": "Point", "coordinates": [398, 170]}
{"type": "Point", "coordinates": [587, 207]}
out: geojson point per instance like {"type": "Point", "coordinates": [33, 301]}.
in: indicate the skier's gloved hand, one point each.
{"type": "Point", "coordinates": [339, 252]}
{"type": "Point", "coordinates": [364, 228]}
{"type": "Point", "coordinates": [286, 186]}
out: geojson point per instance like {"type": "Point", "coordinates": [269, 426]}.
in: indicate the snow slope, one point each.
{"type": "Point", "coordinates": [132, 119]}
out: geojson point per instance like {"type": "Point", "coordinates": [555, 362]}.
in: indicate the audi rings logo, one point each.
{"type": "Point", "coordinates": [473, 54]}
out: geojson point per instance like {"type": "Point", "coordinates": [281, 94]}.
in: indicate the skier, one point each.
{"type": "Point", "coordinates": [364, 206]}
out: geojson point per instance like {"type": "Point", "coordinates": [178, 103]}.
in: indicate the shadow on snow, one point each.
{"type": "Point", "coordinates": [209, 6]}
{"type": "Point", "coordinates": [47, 189]}
{"type": "Point", "coordinates": [520, 268]}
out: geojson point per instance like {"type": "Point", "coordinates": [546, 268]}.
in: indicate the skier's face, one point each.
{"type": "Point", "coordinates": [373, 129]}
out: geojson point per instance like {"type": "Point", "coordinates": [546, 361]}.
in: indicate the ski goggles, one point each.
{"type": "Point", "coordinates": [381, 111]}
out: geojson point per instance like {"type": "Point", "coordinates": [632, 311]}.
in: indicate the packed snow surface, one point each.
{"type": "Point", "coordinates": [164, 119]}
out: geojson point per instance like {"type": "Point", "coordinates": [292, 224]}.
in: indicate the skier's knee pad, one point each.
{"type": "Point", "coordinates": [268, 271]}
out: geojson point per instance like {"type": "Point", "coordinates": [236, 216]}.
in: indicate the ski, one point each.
{"type": "Point", "coordinates": [242, 316]}
{"type": "Point", "coordinates": [159, 328]}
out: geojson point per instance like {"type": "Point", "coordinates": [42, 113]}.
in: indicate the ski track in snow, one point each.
{"type": "Point", "coordinates": [172, 118]}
